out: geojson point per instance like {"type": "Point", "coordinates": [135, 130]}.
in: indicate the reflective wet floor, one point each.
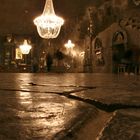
{"type": "Point", "coordinates": [54, 106]}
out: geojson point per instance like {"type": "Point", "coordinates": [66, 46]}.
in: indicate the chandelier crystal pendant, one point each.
{"type": "Point", "coordinates": [48, 24]}
{"type": "Point", "coordinates": [25, 47]}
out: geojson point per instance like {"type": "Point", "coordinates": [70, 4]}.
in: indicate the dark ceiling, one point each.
{"type": "Point", "coordinates": [16, 16]}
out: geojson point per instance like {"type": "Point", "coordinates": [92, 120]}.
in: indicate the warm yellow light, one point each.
{"type": "Point", "coordinates": [25, 47]}
{"type": "Point", "coordinates": [48, 24]}
{"type": "Point", "coordinates": [18, 53]}
{"type": "Point", "coordinates": [69, 44]}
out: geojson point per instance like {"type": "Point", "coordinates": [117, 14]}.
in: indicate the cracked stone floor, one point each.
{"type": "Point", "coordinates": [69, 106]}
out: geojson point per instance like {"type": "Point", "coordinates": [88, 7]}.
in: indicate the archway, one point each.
{"type": "Point", "coordinates": [118, 49]}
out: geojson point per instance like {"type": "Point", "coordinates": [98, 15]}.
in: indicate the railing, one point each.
{"type": "Point", "coordinates": [133, 68]}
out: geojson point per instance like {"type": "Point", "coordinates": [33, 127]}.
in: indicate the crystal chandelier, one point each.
{"type": "Point", "coordinates": [48, 24]}
{"type": "Point", "coordinates": [25, 47]}
{"type": "Point", "coordinates": [69, 44]}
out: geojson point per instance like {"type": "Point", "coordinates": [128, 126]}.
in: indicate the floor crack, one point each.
{"type": "Point", "coordinates": [97, 104]}
{"type": "Point", "coordinates": [103, 106]}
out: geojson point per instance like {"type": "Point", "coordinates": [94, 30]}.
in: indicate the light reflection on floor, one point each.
{"type": "Point", "coordinates": [45, 112]}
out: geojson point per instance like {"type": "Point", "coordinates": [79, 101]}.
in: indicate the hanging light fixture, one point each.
{"type": "Point", "coordinates": [69, 47]}
{"type": "Point", "coordinates": [69, 44]}
{"type": "Point", "coordinates": [48, 24]}
{"type": "Point", "coordinates": [25, 47]}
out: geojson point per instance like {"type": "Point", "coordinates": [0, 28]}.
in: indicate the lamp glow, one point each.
{"type": "Point", "coordinates": [25, 47]}
{"type": "Point", "coordinates": [48, 24]}
{"type": "Point", "coordinates": [69, 44]}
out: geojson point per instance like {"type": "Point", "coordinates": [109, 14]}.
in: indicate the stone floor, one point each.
{"type": "Point", "coordinates": [69, 106]}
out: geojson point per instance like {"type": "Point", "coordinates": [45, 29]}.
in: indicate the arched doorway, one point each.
{"type": "Point", "coordinates": [98, 50]}
{"type": "Point", "coordinates": [118, 49]}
